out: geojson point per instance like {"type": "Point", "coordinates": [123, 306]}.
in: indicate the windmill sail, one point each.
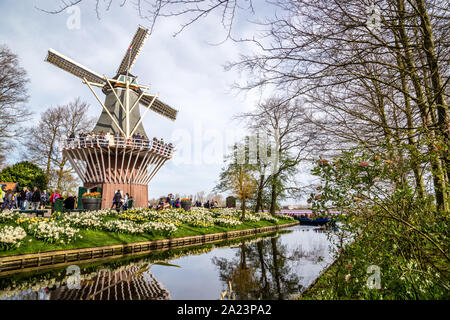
{"type": "Point", "coordinates": [73, 67]}
{"type": "Point", "coordinates": [133, 50]}
{"type": "Point", "coordinates": [159, 107]}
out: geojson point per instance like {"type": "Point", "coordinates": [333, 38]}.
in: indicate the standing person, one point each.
{"type": "Point", "coordinates": [160, 204]}
{"type": "Point", "coordinates": [27, 201]}
{"type": "Point", "coordinates": [55, 195]}
{"type": "Point", "coordinates": [117, 200]}
{"type": "Point", "coordinates": [35, 198]}
{"type": "Point", "coordinates": [2, 194]}
{"type": "Point", "coordinates": [44, 199]}
{"type": "Point", "coordinates": [19, 200]}
{"type": "Point", "coordinates": [69, 202]}
{"type": "Point", "coordinates": [125, 201]}
{"type": "Point", "coordinates": [23, 196]}
{"type": "Point", "coordinates": [7, 199]}
{"type": "Point", "coordinates": [107, 138]}
{"type": "Point", "coordinates": [130, 202]}
{"type": "Point", "coordinates": [13, 203]}
{"type": "Point", "coordinates": [177, 203]}
{"type": "Point", "coordinates": [169, 200]}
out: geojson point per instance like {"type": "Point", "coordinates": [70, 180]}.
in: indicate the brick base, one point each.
{"type": "Point", "coordinates": [137, 191]}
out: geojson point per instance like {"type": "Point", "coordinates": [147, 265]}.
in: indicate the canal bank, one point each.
{"type": "Point", "coordinates": [46, 260]}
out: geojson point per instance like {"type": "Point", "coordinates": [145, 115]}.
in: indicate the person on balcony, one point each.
{"type": "Point", "coordinates": [107, 138]}
{"type": "Point", "coordinates": [88, 139]}
{"type": "Point", "coordinates": [71, 140]}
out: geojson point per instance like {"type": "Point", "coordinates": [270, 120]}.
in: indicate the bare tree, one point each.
{"type": "Point", "coordinates": [13, 98]}
{"type": "Point", "coordinates": [282, 122]}
{"type": "Point", "coordinates": [55, 123]}
{"type": "Point", "coordinates": [200, 196]}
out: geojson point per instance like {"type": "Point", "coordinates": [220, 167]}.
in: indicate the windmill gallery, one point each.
{"type": "Point", "coordinates": [119, 160]}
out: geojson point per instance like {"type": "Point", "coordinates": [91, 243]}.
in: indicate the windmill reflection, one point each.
{"type": "Point", "coordinates": [129, 284]}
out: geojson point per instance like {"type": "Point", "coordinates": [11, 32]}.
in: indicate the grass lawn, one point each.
{"type": "Point", "coordinates": [96, 238]}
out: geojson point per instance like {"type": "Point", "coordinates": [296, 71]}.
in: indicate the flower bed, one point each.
{"type": "Point", "coordinates": [227, 222]}
{"type": "Point", "coordinates": [10, 237]}
{"type": "Point", "coordinates": [51, 232]}
{"type": "Point", "coordinates": [130, 225]}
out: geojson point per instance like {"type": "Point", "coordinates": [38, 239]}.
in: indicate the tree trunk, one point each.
{"type": "Point", "coordinates": [413, 152]}
{"type": "Point", "coordinates": [243, 200]}
{"type": "Point", "coordinates": [49, 156]}
{"type": "Point", "coordinates": [259, 194]}
{"type": "Point", "coordinates": [435, 161]}
{"type": "Point", "coordinates": [436, 80]}
{"type": "Point", "coordinates": [61, 173]}
{"type": "Point", "coordinates": [273, 199]}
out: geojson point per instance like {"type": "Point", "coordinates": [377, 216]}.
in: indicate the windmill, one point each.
{"type": "Point", "coordinates": [119, 156]}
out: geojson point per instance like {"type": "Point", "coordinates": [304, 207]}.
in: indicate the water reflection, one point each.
{"type": "Point", "coordinates": [274, 266]}
{"type": "Point", "coordinates": [127, 284]}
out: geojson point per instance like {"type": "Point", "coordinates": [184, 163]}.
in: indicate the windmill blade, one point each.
{"type": "Point", "coordinates": [133, 50]}
{"type": "Point", "coordinates": [73, 67]}
{"type": "Point", "coordinates": [159, 107]}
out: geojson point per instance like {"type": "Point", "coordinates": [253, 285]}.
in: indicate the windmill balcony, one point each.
{"type": "Point", "coordinates": [155, 146]}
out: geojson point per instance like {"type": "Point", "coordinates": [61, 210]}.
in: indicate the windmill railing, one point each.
{"type": "Point", "coordinates": [155, 146]}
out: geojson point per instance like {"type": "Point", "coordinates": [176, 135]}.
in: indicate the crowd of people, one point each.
{"type": "Point", "coordinates": [209, 204]}
{"type": "Point", "coordinates": [122, 201]}
{"type": "Point", "coordinates": [25, 199]}
{"type": "Point", "coordinates": [171, 202]}
{"type": "Point", "coordinates": [28, 199]}
{"type": "Point", "coordinates": [104, 139]}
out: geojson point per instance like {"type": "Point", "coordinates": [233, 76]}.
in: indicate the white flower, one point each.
{"type": "Point", "coordinates": [10, 236]}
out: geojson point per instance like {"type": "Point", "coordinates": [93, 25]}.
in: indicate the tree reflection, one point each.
{"type": "Point", "coordinates": [261, 270]}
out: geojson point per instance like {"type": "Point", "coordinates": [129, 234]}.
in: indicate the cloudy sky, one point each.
{"type": "Point", "coordinates": [187, 72]}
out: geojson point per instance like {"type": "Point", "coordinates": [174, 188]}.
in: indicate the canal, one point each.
{"type": "Point", "coordinates": [272, 266]}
